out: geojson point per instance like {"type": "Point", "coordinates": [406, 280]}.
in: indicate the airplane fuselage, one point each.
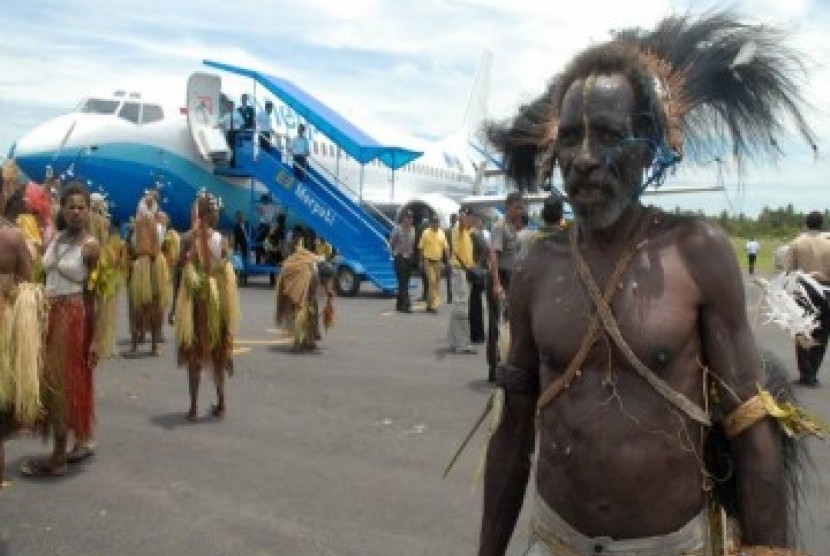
{"type": "Point", "coordinates": [123, 152]}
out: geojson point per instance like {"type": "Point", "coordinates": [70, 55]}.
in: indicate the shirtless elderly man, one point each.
{"type": "Point", "coordinates": [622, 324]}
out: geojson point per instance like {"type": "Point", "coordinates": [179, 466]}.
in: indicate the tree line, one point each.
{"type": "Point", "coordinates": [781, 223]}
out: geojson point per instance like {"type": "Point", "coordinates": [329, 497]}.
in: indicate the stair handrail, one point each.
{"type": "Point", "coordinates": [340, 202]}
{"type": "Point", "coordinates": [337, 181]}
{"type": "Point", "coordinates": [388, 222]}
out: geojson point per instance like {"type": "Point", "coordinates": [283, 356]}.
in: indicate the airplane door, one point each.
{"type": "Point", "coordinates": [203, 112]}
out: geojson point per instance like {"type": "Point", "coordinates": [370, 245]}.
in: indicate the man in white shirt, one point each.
{"type": "Point", "coordinates": [230, 122]}
{"type": "Point", "coordinates": [265, 127]}
{"type": "Point", "coordinates": [300, 151]}
{"type": "Point", "coordinates": [752, 247]}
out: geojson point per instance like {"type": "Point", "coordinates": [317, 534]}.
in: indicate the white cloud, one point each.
{"type": "Point", "coordinates": [384, 63]}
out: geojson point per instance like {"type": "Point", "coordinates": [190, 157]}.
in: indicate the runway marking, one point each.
{"type": "Point", "coordinates": [277, 342]}
{"type": "Point", "coordinates": [284, 338]}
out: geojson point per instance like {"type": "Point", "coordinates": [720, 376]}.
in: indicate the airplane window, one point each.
{"type": "Point", "coordinates": [315, 147]}
{"type": "Point", "coordinates": [130, 112]}
{"type": "Point", "coordinates": [99, 106]}
{"type": "Point", "coordinates": [152, 113]}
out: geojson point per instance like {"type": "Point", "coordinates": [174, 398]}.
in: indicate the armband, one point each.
{"type": "Point", "coordinates": [744, 416]}
{"type": "Point", "coordinates": [517, 381]}
{"type": "Point", "coordinates": [792, 420]}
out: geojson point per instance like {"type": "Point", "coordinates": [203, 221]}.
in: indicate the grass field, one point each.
{"type": "Point", "coordinates": [764, 263]}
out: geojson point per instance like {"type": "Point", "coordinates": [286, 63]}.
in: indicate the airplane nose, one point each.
{"type": "Point", "coordinates": [46, 138]}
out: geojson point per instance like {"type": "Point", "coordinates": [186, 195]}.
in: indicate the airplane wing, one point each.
{"type": "Point", "coordinates": [485, 201]}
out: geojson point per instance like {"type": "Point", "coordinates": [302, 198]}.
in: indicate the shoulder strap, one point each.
{"type": "Point", "coordinates": [609, 323]}
{"type": "Point", "coordinates": [563, 381]}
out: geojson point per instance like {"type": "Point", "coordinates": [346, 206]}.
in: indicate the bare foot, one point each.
{"type": "Point", "coordinates": [217, 411]}
{"type": "Point", "coordinates": [80, 452]}
{"type": "Point", "coordinates": [156, 352]}
{"type": "Point", "coordinates": [37, 468]}
{"type": "Point", "coordinates": [192, 415]}
{"type": "Point", "coordinates": [5, 484]}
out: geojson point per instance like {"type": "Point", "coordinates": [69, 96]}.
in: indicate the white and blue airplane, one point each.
{"type": "Point", "coordinates": [125, 142]}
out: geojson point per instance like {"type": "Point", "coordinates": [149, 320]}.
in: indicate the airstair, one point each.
{"type": "Point", "coordinates": [322, 203]}
{"type": "Point", "coordinates": [358, 236]}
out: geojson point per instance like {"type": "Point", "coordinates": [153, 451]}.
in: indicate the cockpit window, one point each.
{"type": "Point", "coordinates": [152, 113]}
{"type": "Point", "coordinates": [130, 112]}
{"type": "Point", "coordinates": [98, 106]}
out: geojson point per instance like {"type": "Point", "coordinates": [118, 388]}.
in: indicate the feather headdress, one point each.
{"type": "Point", "coordinates": [707, 85]}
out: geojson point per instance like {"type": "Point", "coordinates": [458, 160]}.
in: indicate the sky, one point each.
{"type": "Point", "coordinates": [385, 64]}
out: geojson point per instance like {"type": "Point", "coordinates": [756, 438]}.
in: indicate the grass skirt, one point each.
{"type": "Point", "coordinates": [150, 292]}
{"type": "Point", "coordinates": [207, 316]}
{"type": "Point", "coordinates": [296, 293]}
{"type": "Point", "coordinates": [22, 317]}
{"type": "Point", "coordinates": [67, 390]}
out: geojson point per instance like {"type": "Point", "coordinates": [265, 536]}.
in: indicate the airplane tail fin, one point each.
{"type": "Point", "coordinates": [476, 110]}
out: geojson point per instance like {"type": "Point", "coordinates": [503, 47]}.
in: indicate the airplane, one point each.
{"type": "Point", "coordinates": [124, 142]}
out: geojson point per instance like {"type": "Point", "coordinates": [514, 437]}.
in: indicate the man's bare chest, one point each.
{"type": "Point", "coordinates": [654, 303]}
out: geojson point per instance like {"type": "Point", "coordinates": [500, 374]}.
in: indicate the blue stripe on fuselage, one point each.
{"type": "Point", "coordinates": [125, 170]}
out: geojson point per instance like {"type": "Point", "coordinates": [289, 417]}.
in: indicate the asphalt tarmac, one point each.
{"type": "Point", "coordinates": [336, 453]}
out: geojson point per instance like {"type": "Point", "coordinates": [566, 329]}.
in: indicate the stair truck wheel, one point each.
{"type": "Point", "coordinates": [346, 282]}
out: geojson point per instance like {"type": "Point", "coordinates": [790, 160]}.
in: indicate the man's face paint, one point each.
{"type": "Point", "coordinates": [600, 170]}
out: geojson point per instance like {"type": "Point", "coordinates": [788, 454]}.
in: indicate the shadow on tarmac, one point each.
{"type": "Point", "coordinates": [172, 421]}
{"type": "Point", "coordinates": [482, 385]}
{"type": "Point", "coordinates": [72, 471]}
{"type": "Point", "coordinates": [290, 350]}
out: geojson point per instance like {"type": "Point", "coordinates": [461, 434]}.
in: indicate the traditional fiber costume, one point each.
{"type": "Point", "coordinates": [67, 390]}
{"type": "Point", "coordinates": [702, 83]}
{"type": "Point", "coordinates": [301, 281]}
{"type": "Point", "coordinates": [207, 306]}
{"type": "Point", "coordinates": [171, 247]}
{"type": "Point", "coordinates": [28, 224]}
{"type": "Point", "coordinates": [150, 288]}
{"type": "Point", "coordinates": [106, 279]}
{"type": "Point", "coordinates": [22, 317]}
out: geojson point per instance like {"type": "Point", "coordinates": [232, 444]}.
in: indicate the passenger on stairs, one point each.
{"type": "Point", "coordinates": [265, 128]}
{"type": "Point", "coordinates": [299, 149]}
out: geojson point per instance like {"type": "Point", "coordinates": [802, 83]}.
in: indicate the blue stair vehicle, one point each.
{"type": "Point", "coordinates": [358, 232]}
